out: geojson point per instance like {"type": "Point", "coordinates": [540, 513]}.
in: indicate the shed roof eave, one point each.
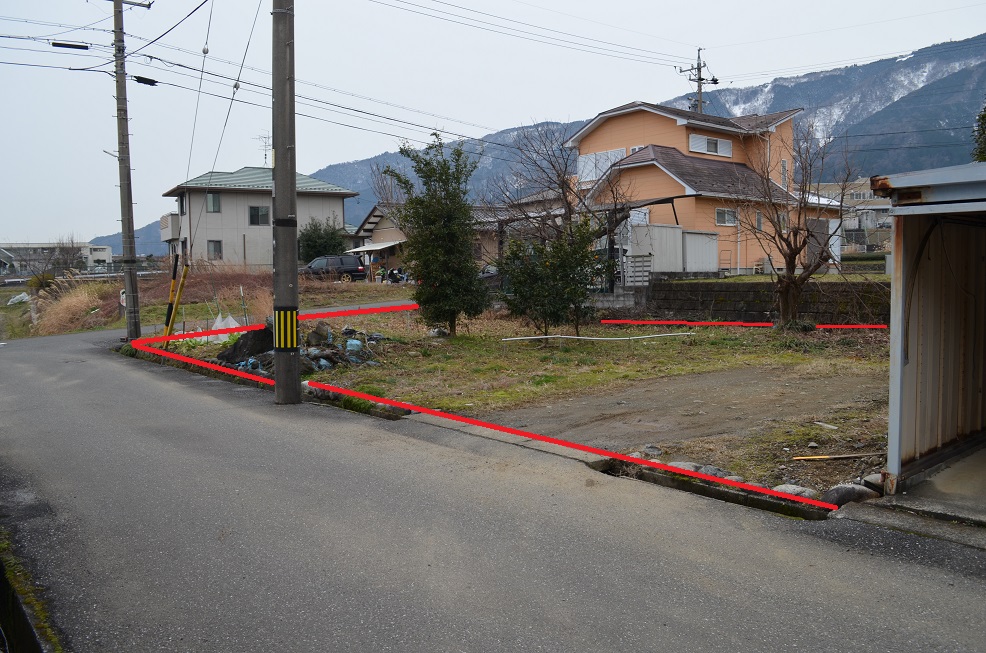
{"type": "Point", "coordinates": [961, 174]}
{"type": "Point", "coordinates": [973, 209]}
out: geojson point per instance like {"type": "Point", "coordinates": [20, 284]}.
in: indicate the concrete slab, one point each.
{"type": "Point", "coordinates": [888, 516]}
{"type": "Point", "coordinates": [951, 505]}
{"type": "Point", "coordinates": [961, 485]}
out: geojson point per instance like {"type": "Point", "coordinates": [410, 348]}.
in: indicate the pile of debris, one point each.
{"type": "Point", "coordinates": [253, 351]}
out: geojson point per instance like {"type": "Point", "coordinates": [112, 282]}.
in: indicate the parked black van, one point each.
{"type": "Point", "coordinates": [344, 267]}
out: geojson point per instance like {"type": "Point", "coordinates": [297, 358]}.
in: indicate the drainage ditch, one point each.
{"type": "Point", "coordinates": [17, 634]}
{"type": "Point", "coordinates": [709, 489]}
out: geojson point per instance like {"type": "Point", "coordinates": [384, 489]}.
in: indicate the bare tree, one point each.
{"type": "Point", "coordinates": [796, 224]}
{"type": "Point", "coordinates": [389, 193]}
{"type": "Point", "coordinates": [44, 260]}
{"type": "Point", "coordinates": [542, 199]}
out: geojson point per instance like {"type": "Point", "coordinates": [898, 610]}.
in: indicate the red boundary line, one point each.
{"type": "Point", "coordinates": [141, 344]}
{"type": "Point", "coordinates": [738, 324]}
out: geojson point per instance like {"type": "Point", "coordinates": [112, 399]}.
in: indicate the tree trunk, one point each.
{"type": "Point", "coordinates": [451, 326]}
{"type": "Point", "coordinates": [788, 298]}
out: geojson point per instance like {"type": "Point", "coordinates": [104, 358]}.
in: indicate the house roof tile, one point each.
{"type": "Point", "coordinates": [249, 178]}
{"type": "Point", "coordinates": [750, 124]}
{"type": "Point", "coordinates": [705, 176]}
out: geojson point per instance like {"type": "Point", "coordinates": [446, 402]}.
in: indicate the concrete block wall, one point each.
{"type": "Point", "coordinates": [822, 303]}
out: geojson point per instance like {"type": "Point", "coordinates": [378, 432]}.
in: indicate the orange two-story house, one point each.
{"type": "Point", "coordinates": [701, 172]}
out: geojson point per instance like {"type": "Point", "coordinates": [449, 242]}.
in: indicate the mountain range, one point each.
{"type": "Point", "coordinates": [903, 113]}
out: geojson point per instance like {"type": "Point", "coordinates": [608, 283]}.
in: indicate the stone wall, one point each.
{"type": "Point", "coordinates": [834, 302]}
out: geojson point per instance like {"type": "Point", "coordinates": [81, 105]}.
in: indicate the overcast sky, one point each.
{"type": "Point", "coordinates": [466, 66]}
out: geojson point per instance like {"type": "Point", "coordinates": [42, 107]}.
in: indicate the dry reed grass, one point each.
{"type": "Point", "coordinates": [69, 305]}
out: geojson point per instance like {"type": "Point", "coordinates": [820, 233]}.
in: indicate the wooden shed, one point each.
{"type": "Point", "coordinates": [938, 319]}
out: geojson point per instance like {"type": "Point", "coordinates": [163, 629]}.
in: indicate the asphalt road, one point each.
{"type": "Point", "coordinates": [165, 511]}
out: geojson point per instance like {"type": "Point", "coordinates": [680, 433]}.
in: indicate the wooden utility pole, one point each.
{"type": "Point", "coordinates": [287, 368]}
{"type": "Point", "coordinates": [695, 75]}
{"type": "Point", "coordinates": [123, 158]}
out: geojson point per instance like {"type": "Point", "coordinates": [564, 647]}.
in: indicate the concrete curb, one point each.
{"type": "Point", "coordinates": [597, 463]}
{"type": "Point", "coordinates": [714, 490]}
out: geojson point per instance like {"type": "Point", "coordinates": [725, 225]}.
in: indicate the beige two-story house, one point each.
{"type": "Point", "coordinates": [225, 217]}
{"type": "Point", "coordinates": [702, 173]}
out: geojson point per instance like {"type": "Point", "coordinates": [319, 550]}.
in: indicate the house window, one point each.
{"type": "Point", "coordinates": [783, 221]}
{"type": "Point", "coordinates": [212, 203]}
{"type": "Point", "coordinates": [181, 203]}
{"type": "Point", "coordinates": [259, 216]}
{"type": "Point", "coordinates": [637, 148]}
{"type": "Point", "coordinates": [759, 221]}
{"type": "Point", "coordinates": [214, 250]}
{"type": "Point", "coordinates": [709, 145]}
{"type": "Point", "coordinates": [593, 166]}
{"type": "Point", "coordinates": [784, 174]}
{"type": "Point", "coordinates": [639, 216]}
{"type": "Point", "coordinates": [725, 217]}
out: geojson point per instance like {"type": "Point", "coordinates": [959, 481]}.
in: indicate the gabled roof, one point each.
{"type": "Point", "coordinates": [257, 179]}
{"type": "Point", "coordinates": [701, 176]}
{"type": "Point", "coordinates": [376, 214]}
{"type": "Point", "coordinates": [751, 124]}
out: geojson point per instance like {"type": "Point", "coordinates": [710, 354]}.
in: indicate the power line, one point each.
{"type": "Point", "coordinates": [34, 65]}
{"type": "Point", "coordinates": [553, 42]}
{"type": "Point", "coordinates": [589, 20]}
{"type": "Point", "coordinates": [548, 29]}
{"type": "Point", "coordinates": [43, 23]}
{"type": "Point", "coordinates": [361, 113]}
{"type": "Point", "coordinates": [844, 63]}
{"type": "Point", "coordinates": [169, 30]}
{"type": "Point", "coordinates": [401, 137]}
{"type": "Point", "coordinates": [331, 89]}
{"type": "Point", "coordinates": [229, 110]}
{"type": "Point", "coordinates": [845, 27]}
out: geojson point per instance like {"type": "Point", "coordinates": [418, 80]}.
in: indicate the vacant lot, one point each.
{"type": "Point", "coordinates": [743, 399]}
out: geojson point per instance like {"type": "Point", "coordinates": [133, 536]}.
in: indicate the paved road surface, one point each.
{"type": "Point", "coordinates": [164, 511]}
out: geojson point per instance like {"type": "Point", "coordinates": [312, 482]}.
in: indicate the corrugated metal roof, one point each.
{"type": "Point", "coordinates": [250, 178]}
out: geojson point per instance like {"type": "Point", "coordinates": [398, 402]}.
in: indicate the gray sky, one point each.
{"type": "Point", "coordinates": [386, 58]}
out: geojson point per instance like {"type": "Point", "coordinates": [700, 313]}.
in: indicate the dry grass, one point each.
{"type": "Point", "coordinates": [73, 305]}
{"type": "Point", "coordinates": [476, 373]}
{"type": "Point", "coordinates": [766, 457]}
{"type": "Point", "coordinates": [69, 305]}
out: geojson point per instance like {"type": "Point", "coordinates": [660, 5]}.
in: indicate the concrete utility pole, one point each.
{"type": "Point", "coordinates": [287, 368]}
{"type": "Point", "coordinates": [695, 75]}
{"type": "Point", "coordinates": [123, 157]}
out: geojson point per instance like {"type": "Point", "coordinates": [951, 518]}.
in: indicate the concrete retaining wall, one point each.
{"type": "Point", "coordinates": [822, 303]}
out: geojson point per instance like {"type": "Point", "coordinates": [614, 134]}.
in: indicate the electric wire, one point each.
{"type": "Point", "coordinates": [547, 29]}
{"type": "Point", "coordinates": [198, 98]}
{"type": "Point", "coordinates": [170, 29]}
{"type": "Point", "coordinates": [399, 137]}
{"type": "Point", "coordinates": [222, 134]}
{"type": "Point", "coordinates": [962, 143]}
{"type": "Point", "coordinates": [617, 27]}
{"type": "Point", "coordinates": [346, 110]}
{"type": "Point", "coordinates": [553, 42]}
{"type": "Point", "coordinates": [845, 27]}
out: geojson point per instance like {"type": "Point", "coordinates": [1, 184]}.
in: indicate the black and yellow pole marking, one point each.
{"type": "Point", "coordinates": [285, 329]}
{"type": "Point", "coordinates": [171, 294]}
{"type": "Point", "coordinates": [170, 326]}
